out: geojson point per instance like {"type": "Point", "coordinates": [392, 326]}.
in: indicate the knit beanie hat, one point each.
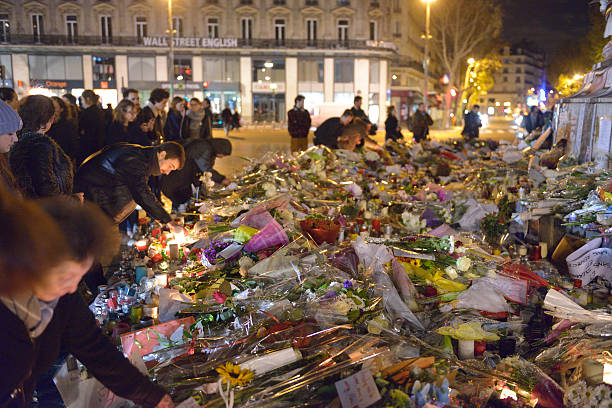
{"type": "Point", "coordinates": [10, 122]}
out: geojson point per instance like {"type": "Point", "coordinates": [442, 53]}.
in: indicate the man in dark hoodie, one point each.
{"type": "Point", "coordinates": [200, 158]}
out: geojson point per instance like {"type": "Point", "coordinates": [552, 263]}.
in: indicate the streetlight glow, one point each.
{"type": "Point", "coordinates": [578, 76]}
{"type": "Point", "coordinates": [471, 61]}
{"type": "Point", "coordinates": [428, 1]}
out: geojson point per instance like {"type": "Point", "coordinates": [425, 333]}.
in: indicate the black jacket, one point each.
{"type": "Point", "coordinates": [206, 128]}
{"type": "Point", "coordinates": [137, 136]}
{"type": "Point", "coordinates": [118, 175]}
{"type": "Point", "coordinates": [328, 132]}
{"type": "Point", "coordinates": [471, 128]}
{"type": "Point", "coordinates": [226, 117]}
{"type": "Point", "coordinates": [116, 133]}
{"type": "Point", "coordinates": [92, 126]}
{"type": "Point", "coordinates": [360, 113]}
{"type": "Point", "coordinates": [40, 166]}
{"type": "Point", "coordinates": [66, 135]}
{"type": "Point", "coordinates": [532, 122]}
{"type": "Point", "coordinates": [200, 158]}
{"type": "Point", "coordinates": [74, 330]}
{"type": "Point", "coordinates": [391, 129]}
{"type": "Point", "coordinates": [177, 126]}
{"type": "Point", "coordinates": [157, 135]}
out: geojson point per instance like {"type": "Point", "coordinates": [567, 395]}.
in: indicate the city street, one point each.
{"type": "Point", "coordinates": [253, 142]}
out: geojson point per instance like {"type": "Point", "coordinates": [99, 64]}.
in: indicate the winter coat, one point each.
{"type": "Point", "coordinates": [137, 136]}
{"type": "Point", "coordinates": [471, 128]}
{"type": "Point", "coordinates": [421, 121]}
{"type": "Point", "coordinates": [328, 132]}
{"type": "Point", "coordinates": [177, 126]}
{"type": "Point", "coordinates": [117, 133]}
{"type": "Point", "coordinates": [66, 135]}
{"type": "Point", "coordinates": [391, 129]}
{"type": "Point", "coordinates": [41, 167]}
{"type": "Point", "coordinates": [226, 117]}
{"type": "Point", "coordinates": [206, 124]}
{"type": "Point", "coordinates": [533, 121]}
{"type": "Point", "coordinates": [299, 122]}
{"type": "Point", "coordinates": [360, 113]}
{"type": "Point", "coordinates": [200, 158]}
{"type": "Point", "coordinates": [72, 329]}
{"type": "Point", "coordinates": [195, 122]}
{"type": "Point", "coordinates": [117, 177]}
{"type": "Point", "coordinates": [92, 126]}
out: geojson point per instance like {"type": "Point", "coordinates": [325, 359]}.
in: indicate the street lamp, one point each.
{"type": "Point", "coordinates": [426, 52]}
{"type": "Point", "coordinates": [170, 43]}
{"type": "Point", "coordinates": [469, 77]}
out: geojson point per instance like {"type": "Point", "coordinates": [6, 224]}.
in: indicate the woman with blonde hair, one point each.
{"type": "Point", "coordinates": [123, 115]}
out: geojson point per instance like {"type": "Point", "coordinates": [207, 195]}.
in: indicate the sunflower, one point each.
{"type": "Point", "coordinates": [415, 262]}
{"type": "Point", "coordinates": [234, 374]}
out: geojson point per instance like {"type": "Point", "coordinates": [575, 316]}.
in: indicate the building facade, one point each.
{"type": "Point", "coordinates": [520, 82]}
{"type": "Point", "coordinates": [256, 55]}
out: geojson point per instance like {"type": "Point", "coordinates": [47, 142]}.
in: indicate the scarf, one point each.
{"type": "Point", "coordinates": [33, 312]}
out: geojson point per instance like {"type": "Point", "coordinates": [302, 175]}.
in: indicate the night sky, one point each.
{"type": "Point", "coordinates": [548, 23]}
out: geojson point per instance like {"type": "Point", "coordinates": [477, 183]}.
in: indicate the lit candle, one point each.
{"type": "Point", "coordinates": [141, 245]}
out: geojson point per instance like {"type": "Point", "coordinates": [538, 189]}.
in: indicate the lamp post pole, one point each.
{"type": "Point", "coordinates": [426, 51]}
{"type": "Point", "coordinates": [470, 62]}
{"type": "Point", "coordinates": [171, 44]}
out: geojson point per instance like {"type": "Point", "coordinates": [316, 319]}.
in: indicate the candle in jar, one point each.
{"type": "Point", "coordinates": [141, 245]}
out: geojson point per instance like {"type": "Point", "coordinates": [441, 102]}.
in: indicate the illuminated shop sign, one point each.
{"type": "Point", "coordinates": [191, 42]}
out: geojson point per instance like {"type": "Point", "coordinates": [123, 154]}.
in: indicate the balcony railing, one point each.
{"type": "Point", "coordinates": [279, 2]}
{"type": "Point", "coordinates": [312, 2]}
{"type": "Point", "coordinates": [62, 40]}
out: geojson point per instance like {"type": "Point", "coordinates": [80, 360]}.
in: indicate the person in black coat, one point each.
{"type": "Point", "coordinates": [392, 129]}
{"type": "Point", "coordinates": [533, 120]}
{"type": "Point", "coordinates": [92, 124]}
{"type": "Point", "coordinates": [472, 123]}
{"type": "Point", "coordinates": [227, 119]}
{"type": "Point", "coordinates": [140, 131]}
{"type": "Point", "coordinates": [41, 167]}
{"type": "Point", "coordinates": [200, 158]}
{"type": "Point", "coordinates": [207, 120]}
{"type": "Point", "coordinates": [116, 178]}
{"type": "Point", "coordinates": [64, 130]}
{"type": "Point", "coordinates": [45, 315]}
{"type": "Point", "coordinates": [328, 132]}
{"type": "Point", "coordinates": [158, 100]}
{"type": "Point", "coordinates": [177, 122]}
{"type": "Point", "coordinates": [421, 121]}
{"type": "Point", "coordinates": [117, 131]}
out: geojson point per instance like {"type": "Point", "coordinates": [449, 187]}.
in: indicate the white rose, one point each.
{"type": "Point", "coordinates": [451, 272]}
{"type": "Point", "coordinates": [464, 263]}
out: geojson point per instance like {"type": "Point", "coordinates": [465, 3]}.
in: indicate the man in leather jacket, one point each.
{"type": "Point", "coordinates": [116, 178]}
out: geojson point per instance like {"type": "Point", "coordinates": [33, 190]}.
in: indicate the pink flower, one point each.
{"type": "Point", "coordinates": [220, 297]}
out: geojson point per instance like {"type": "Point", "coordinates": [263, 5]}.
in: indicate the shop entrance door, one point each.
{"type": "Point", "coordinates": [269, 107]}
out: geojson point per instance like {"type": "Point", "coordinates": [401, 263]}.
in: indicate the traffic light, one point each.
{"type": "Point", "coordinates": [205, 84]}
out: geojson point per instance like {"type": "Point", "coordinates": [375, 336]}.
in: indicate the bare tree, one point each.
{"type": "Point", "coordinates": [462, 29]}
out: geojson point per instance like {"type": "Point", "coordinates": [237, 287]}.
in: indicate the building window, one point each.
{"type": "Point", "coordinates": [344, 71]}
{"type": "Point", "coordinates": [5, 28]}
{"type": "Point", "coordinates": [396, 5]}
{"type": "Point", "coordinates": [37, 26]}
{"type": "Point", "coordinates": [55, 67]}
{"type": "Point", "coordinates": [518, 80]}
{"type": "Point", "coordinates": [213, 27]}
{"type": "Point", "coordinates": [395, 80]}
{"type": "Point", "coordinates": [373, 31]}
{"type": "Point", "coordinates": [141, 68]}
{"type": "Point", "coordinates": [343, 26]}
{"type": "Point", "coordinates": [505, 70]}
{"type": "Point", "coordinates": [518, 71]}
{"type": "Point", "coordinates": [104, 69]}
{"type": "Point", "coordinates": [221, 70]}
{"type": "Point", "coordinates": [505, 79]}
{"type": "Point", "coordinates": [71, 28]}
{"type": "Point", "coordinates": [279, 31]}
{"type": "Point", "coordinates": [311, 31]}
{"type": "Point", "coordinates": [141, 28]}
{"type": "Point", "coordinates": [271, 71]}
{"type": "Point", "coordinates": [182, 69]}
{"type": "Point", "coordinates": [310, 70]}
{"type": "Point", "coordinates": [106, 29]}
{"type": "Point", "coordinates": [374, 71]}
{"type": "Point", "coordinates": [177, 26]}
{"type": "Point", "coordinates": [246, 24]}
{"type": "Point", "coordinates": [397, 29]}
{"type": "Point", "coordinates": [5, 59]}
{"type": "Point", "coordinates": [344, 3]}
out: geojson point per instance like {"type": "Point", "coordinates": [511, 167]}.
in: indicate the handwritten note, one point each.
{"type": "Point", "coordinates": [358, 391]}
{"type": "Point", "coordinates": [590, 261]}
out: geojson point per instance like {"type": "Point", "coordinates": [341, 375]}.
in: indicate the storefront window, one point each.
{"type": "Point", "coordinates": [141, 68]}
{"type": "Point", "coordinates": [56, 67]}
{"type": "Point", "coordinates": [104, 69]}
{"type": "Point", "coordinates": [182, 69]}
{"type": "Point", "coordinates": [374, 71]}
{"type": "Point", "coordinates": [310, 70]}
{"type": "Point", "coordinates": [343, 71]}
{"type": "Point", "coordinates": [221, 69]}
{"type": "Point", "coordinates": [5, 60]}
{"type": "Point", "coordinates": [269, 71]}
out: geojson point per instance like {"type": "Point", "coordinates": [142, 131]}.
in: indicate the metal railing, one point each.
{"type": "Point", "coordinates": [125, 41]}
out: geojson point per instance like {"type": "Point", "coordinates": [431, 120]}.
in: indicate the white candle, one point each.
{"type": "Point", "coordinates": [466, 349]}
{"type": "Point", "coordinates": [272, 361]}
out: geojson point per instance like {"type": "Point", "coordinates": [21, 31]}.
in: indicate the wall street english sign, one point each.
{"type": "Point", "coordinates": [191, 42]}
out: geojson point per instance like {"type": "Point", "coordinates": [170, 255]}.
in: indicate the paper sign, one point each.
{"type": "Point", "coordinates": [358, 391]}
{"type": "Point", "coordinates": [230, 251]}
{"type": "Point", "coordinates": [189, 403]}
{"type": "Point", "coordinates": [153, 338]}
{"type": "Point", "coordinates": [590, 261]}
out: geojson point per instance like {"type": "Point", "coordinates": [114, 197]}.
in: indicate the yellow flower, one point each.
{"type": "Point", "coordinates": [235, 375]}
{"type": "Point", "coordinates": [415, 262]}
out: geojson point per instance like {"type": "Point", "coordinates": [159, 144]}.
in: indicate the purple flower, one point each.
{"type": "Point", "coordinates": [213, 249]}
{"type": "Point", "coordinates": [331, 294]}
{"type": "Point", "coordinates": [348, 284]}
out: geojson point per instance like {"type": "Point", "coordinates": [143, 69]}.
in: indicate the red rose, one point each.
{"type": "Point", "coordinates": [220, 297]}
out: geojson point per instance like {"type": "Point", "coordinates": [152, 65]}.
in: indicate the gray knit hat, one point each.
{"type": "Point", "coordinates": [10, 122]}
